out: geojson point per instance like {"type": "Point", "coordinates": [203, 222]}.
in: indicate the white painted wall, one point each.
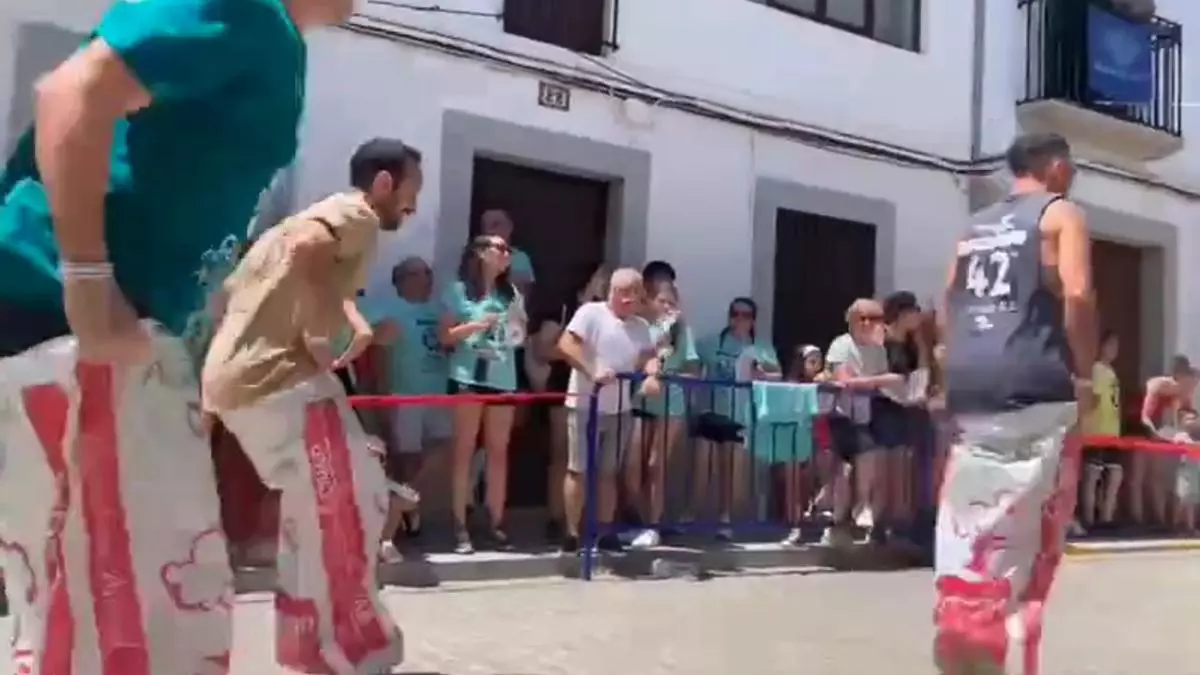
{"type": "Point", "coordinates": [712, 190]}
{"type": "Point", "coordinates": [743, 53]}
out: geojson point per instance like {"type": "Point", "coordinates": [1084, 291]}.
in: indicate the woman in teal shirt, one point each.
{"type": "Point", "coordinates": [722, 427]}
{"type": "Point", "coordinates": [661, 418]}
{"type": "Point", "coordinates": [483, 324]}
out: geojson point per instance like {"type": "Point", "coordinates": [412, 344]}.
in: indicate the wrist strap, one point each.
{"type": "Point", "coordinates": [85, 270]}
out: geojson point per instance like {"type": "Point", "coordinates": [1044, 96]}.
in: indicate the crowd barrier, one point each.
{"type": "Point", "coordinates": [769, 423]}
{"type": "Point", "coordinates": [763, 425]}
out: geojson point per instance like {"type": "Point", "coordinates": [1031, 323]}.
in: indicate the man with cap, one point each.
{"type": "Point", "coordinates": [268, 377]}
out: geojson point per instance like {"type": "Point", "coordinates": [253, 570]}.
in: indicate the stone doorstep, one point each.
{"type": "Point", "coordinates": [440, 568]}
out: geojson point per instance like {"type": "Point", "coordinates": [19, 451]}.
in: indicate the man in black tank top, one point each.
{"type": "Point", "coordinates": [1019, 330]}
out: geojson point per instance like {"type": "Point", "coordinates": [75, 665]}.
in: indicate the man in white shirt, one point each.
{"type": "Point", "coordinates": [602, 340]}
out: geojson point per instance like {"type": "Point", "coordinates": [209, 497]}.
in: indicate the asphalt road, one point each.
{"type": "Point", "coordinates": [1129, 614]}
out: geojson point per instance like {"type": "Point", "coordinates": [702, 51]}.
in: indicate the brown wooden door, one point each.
{"type": "Point", "coordinates": [822, 265]}
{"type": "Point", "coordinates": [560, 221]}
{"type": "Point", "coordinates": [1117, 277]}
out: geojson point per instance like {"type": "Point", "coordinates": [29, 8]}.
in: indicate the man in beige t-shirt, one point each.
{"type": "Point", "coordinates": [268, 377]}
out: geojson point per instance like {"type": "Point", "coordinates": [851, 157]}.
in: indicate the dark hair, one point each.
{"type": "Point", "coordinates": [1108, 334]}
{"type": "Point", "coordinates": [470, 272]}
{"type": "Point", "coordinates": [795, 371]}
{"type": "Point", "coordinates": [658, 269]}
{"type": "Point", "coordinates": [740, 300]}
{"type": "Point", "coordinates": [1181, 365]}
{"type": "Point", "coordinates": [381, 154]}
{"type": "Point", "coordinates": [897, 304]}
{"type": "Point", "coordinates": [657, 286]}
{"type": "Point", "coordinates": [1029, 154]}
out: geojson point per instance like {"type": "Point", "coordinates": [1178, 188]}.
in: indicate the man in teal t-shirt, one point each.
{"type": "Point", "coordinates": [153, 142]}
{"type": "Point", "coordinates": [416, 364]}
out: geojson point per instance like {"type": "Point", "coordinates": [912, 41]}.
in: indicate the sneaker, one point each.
{"type": "Point", "coordinates": [570, 544]}
{"type": "Point", "coordinates": [865, 519]}
{"type": "Point", "coordinates": [1076, 530]}
{"type": "Point", "coordinates": [725, 534]}
{"type": "Point", "coordinates": [648, 538]}
{"type": "Point", "coordinates": [462, 542]}
{"type": "Point", "coordinates": [794, 538]}
{"type": "Point", "coordinates": [610, 543]}
{"type": "Point", "coordinates": [498, 539]}
{"type": "Point", "coordinates": [389, 554]}
{"type": "Point", "coordinates": [836, 536]}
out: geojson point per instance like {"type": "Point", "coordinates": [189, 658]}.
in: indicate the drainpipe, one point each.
{"type": "Point", "coordinates": [977, 189]}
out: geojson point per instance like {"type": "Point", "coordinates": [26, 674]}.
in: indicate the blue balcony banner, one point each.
{"type": "Point", "coordinates": [1120, 58]}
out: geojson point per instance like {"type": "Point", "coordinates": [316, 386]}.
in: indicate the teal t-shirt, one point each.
{"type": "Point", "coordinates": [227, 82]}
{"type": "Point", "coordinates": [673, 402]}
{"type": "Point", "coordinates": [520, 266]}
{"type": "Point", "coordinates": [485, 359]}
{"type": "Point", "coordinates": [719, 355]}
{"type": "Point", "coordinates": [417, 364]}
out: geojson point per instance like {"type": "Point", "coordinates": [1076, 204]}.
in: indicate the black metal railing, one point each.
{"type": "Point", "coordinates": [588, 26]}
{"type": "Point", "coordinates": [1089, 53]}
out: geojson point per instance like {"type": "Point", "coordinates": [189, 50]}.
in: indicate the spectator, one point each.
{"type": "Point", "coordinates": [1187, 479]}
{"type": "Point", "coordinates": [658, 270]}
{"type": "Point", "coordinates": [1152, 474]}
{"type": "Point", "coordinates": [808, 367]}
{"type": "Point", "coordinates": [497, 223]}
{"type": "Point", "coordinates": [414, 363]}
{"type": "Point", "coordinates": [1103, 467]}
{"type": "Point", "coordinates": [721, 427]}
{"type": "Point", "coordinates": [895, 427]}
{"type": "Point", "coordinates": [661, 423]}
{"type": "Point", "coordinates": [858, 360]}
{"type": "Point", "coordinates": [483, 323]}
{"type": "Point", "coordinates": [543, 349]}
{"type": "Point", "coordinates": [602, 340]}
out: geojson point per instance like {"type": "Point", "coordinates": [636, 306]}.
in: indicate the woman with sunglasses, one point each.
{"type": "Point", "coordinates": [550, 373]}
{"type": "Point", "coordinates": [721, 429]}
{"type": "Point", "coordinates": [659, 427]}
{"type": "Point", "coordinates": [483, 324]}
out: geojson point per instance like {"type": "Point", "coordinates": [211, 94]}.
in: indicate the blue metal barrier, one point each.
{"type": "Point", "coordinates": [743, 424]}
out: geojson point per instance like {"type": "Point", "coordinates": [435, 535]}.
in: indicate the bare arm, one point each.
{"type": "Point", "coordinates": [570, 346]}
{"type": "Point", "coordinates": [1065, 221]}
{"type": "Point", "coordinates": [77, 107]}
{"type": "Point", "coordinates": [451, 331]}
{"type": "Point", "coordinates": [545, 340]}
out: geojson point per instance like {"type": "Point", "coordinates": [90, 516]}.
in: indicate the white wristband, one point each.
{"type": "Point", "coordinates": [89, 270]}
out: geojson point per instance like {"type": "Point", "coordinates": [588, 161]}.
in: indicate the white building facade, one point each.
{"type": "Point", "coordinates": [800, 152]}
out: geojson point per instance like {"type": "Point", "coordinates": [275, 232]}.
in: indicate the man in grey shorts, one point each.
{"type": "Point", "coordinates": [602, 340]}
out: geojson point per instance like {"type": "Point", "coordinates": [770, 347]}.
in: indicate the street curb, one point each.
{"type": "Point", "coordinates": [438, 569]}
{"type": "Point", "coordinates": [1108, 548]}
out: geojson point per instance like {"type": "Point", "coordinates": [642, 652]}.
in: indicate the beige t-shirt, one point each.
{"type": "Point", "coordinates": [259, 346]}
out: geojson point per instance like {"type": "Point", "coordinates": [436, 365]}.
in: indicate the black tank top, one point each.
{"type": "Point", "coordinates": [1006, 346]}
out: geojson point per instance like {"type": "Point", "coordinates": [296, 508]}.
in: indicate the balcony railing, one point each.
{"type": "Point", "coordinates": [1087, 53]}
{"type": "Point", "coordinates": [588, 26]}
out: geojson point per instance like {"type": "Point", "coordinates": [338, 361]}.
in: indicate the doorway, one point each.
{"type": "Point", "coordinates": [1117, 278]}
{"type": "Point", "coordinates": [822, 264]}
{"type": "Point", "coordinates": [561, 221]}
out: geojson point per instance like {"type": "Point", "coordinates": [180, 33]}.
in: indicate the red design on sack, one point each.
{"type": "Point", "coordinates": [47, 407]}
{"type": "Point", "coordinates": [198, 583]}
{"type": "Point", "coordinates": [970, 614]}
{"type": "Point", "coordinates": [298, 635]}
{"type": "Point", "coordinates": [357, 627]}
{"type": "Point", "coordinates": [115, 598]}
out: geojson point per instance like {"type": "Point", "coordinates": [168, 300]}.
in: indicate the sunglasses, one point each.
{"type": "Point", "coordinates": [871, 319]}
{"type": "Point", "coordinates": [500, 247]}
{"type": "Point", "coordinates": [741, 314]}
